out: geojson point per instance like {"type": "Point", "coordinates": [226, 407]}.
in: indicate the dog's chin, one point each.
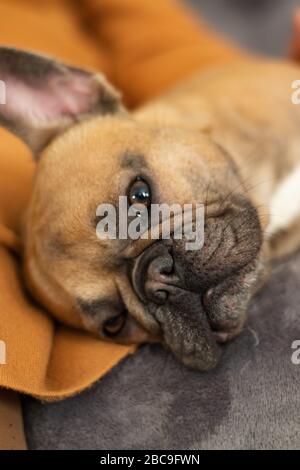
{"type": "Point", "coordinates": [186, 331]}
{"type": "Point", "coordinates": [195, 325]}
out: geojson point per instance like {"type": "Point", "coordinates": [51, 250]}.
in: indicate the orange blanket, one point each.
{"type": "Point", "coordinates": [143, 46]}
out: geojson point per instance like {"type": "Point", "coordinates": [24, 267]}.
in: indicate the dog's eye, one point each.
{"type": "Point", "coordinates": [140, 193]}
{"type": "Point", "coordinates": [114, 325]}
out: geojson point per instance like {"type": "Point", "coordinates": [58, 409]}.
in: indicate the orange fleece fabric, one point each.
{"type": "Point", "coordinates": [144, 47]}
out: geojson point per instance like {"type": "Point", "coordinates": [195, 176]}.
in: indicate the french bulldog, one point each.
{"type": "Point", "coordinates": [228, 139]}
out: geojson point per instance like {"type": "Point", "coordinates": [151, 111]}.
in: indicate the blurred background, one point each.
{"type": "Point", "coordinates": [261, 25]}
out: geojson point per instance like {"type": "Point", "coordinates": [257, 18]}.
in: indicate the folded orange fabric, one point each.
{"type": "Point", "coordinates": [143, 46]}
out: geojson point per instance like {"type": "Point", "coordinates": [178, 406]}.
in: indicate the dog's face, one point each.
{"type": "Point", "coordinates": [144, 289]}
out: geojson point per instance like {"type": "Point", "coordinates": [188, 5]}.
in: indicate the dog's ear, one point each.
{"type": "Point", "coordinates": [40, 97]}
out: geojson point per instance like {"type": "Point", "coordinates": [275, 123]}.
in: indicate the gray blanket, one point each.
{"type": "Point", "coordinates": [252, 399]}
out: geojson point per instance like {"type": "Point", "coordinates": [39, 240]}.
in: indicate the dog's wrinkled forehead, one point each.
{"type": "Point", "coordinates": [97, 152]}
{"type": "Point", "coordinates": [96, 161]}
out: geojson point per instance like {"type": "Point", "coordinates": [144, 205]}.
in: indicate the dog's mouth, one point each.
{"type": "Point", "coordinates": [199, 298]}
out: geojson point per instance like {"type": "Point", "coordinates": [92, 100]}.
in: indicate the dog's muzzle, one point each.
{"type": "Point", "coordinates": [178, 311]}
{"type": "Point", "coordinates": [199, 298]}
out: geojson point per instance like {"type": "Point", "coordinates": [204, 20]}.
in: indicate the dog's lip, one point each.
{"type": "Point", "coordinates": [221, 335]}
{"type": "Point", "coordinates": [198, 352]}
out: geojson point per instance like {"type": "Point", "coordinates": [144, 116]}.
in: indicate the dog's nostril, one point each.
{"type": "Point", "coordinates": [155, 291]}
{"type": "Point", "coordinates": [160, 267]}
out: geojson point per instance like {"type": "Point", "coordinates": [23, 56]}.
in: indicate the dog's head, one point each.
{"type": "Point", "coordinates": [91, 151]}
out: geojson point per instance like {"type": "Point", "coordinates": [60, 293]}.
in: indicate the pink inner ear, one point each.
{"type": "Point", "coordinates": [60, 96]}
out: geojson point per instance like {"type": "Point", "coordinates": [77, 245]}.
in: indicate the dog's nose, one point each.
{"type": "Point", "coordinates": [153, 275]}
{"type": "Point", "coordinates": [159, 276]}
